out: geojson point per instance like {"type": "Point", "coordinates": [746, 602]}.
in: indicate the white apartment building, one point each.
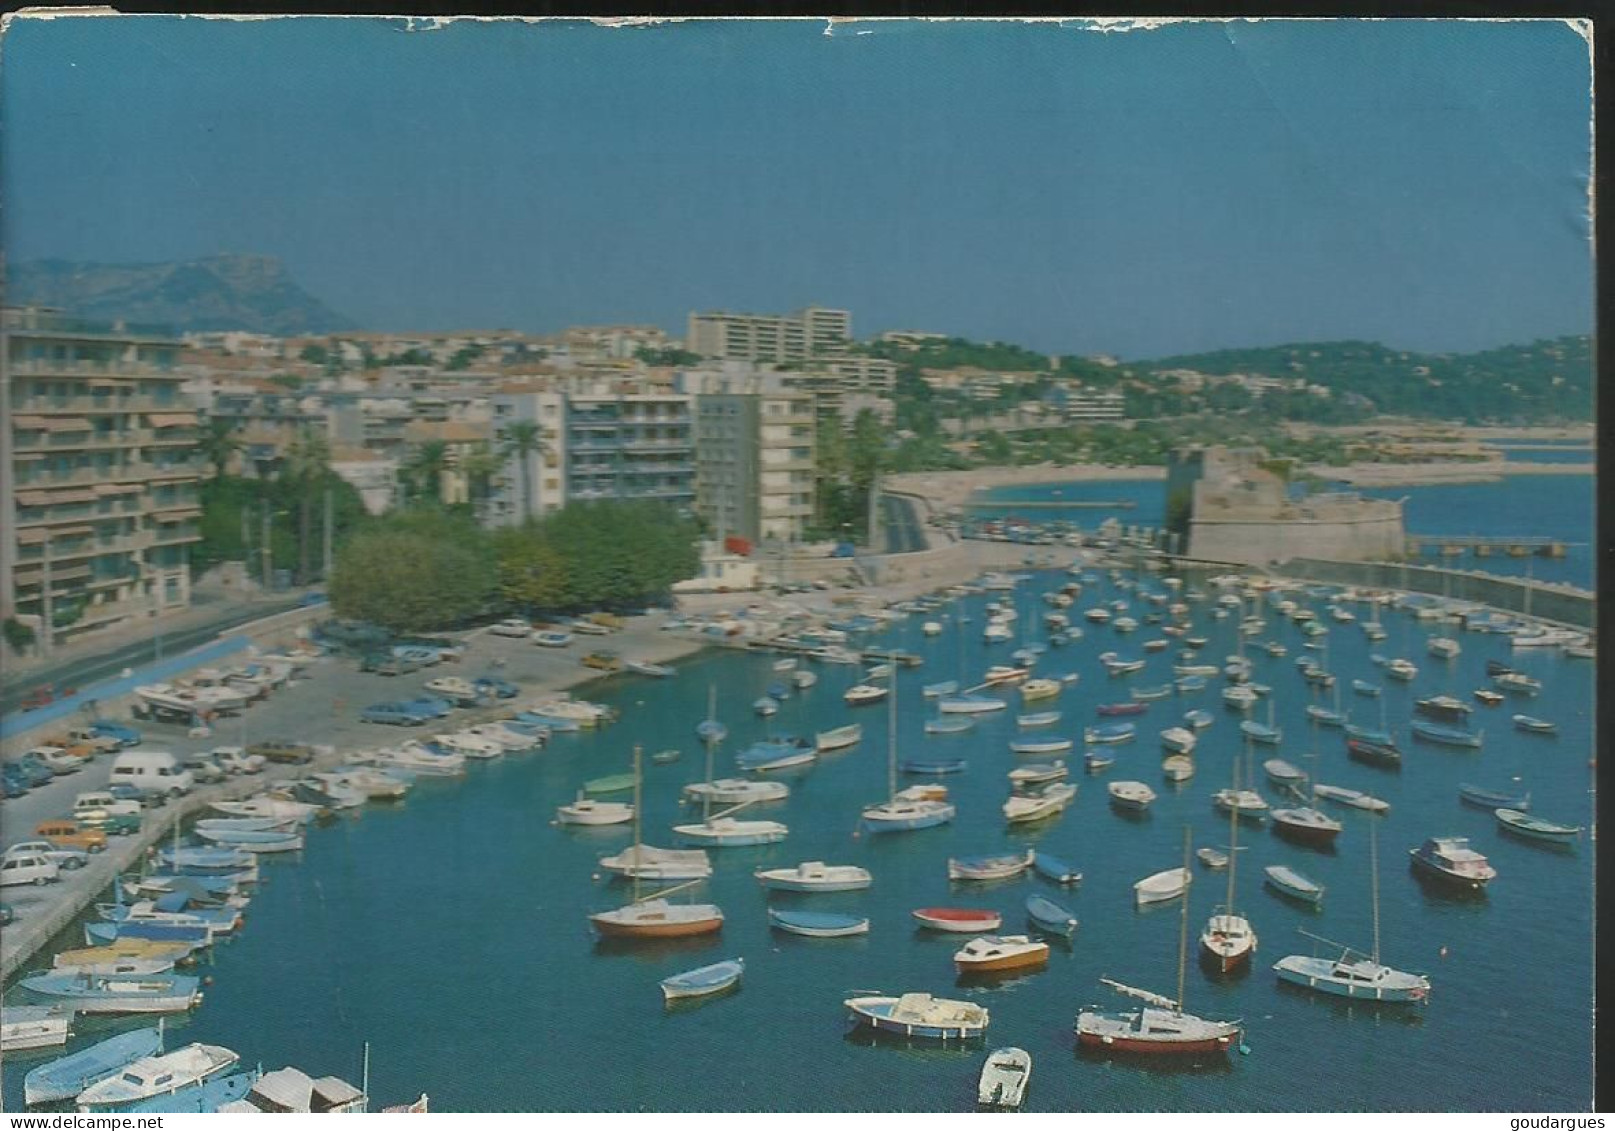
{"type": "Point", "coordinates": [754, 463]}
{"type": "Point", "coordinates": [773, 338]}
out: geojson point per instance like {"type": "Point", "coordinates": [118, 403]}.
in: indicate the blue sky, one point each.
{"type": "Point", "coordinates": [1422, 183]}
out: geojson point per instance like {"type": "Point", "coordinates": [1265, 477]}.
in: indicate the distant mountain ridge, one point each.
{"type": "Point", "coordinates": [219, 292]}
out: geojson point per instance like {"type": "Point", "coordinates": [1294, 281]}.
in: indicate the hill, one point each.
{"type": "Point", "coordinates": [221, 292]}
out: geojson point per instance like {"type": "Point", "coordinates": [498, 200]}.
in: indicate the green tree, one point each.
{"type": "Point", "coordinates": [219, 444]}
{"type": "Point", "coordinates": [414, 573]}
{"type": "Point", "coordinates": [423, 471]}
{"type": "Point", "coordinates": [520, 440]}
{"type": "Point", "coordinates": [315, 354]}
{"type": "Point", "coordinates": [306, 472]}
{"type": "Point", "coordinates": [480, 463]}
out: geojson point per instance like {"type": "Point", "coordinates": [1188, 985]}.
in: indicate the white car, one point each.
{"type": "Point", "coordinates": [57, 760]}
{"type": "Point", "coordinates": [28, 868]}
{"type": "Point", "coordinates": [512, 626]}
{"type": "Point", "coordinates": [102, 802]}
{"type": "Point", "coordinates": [235, 760]}
{"type": "Point", "coordinates": [66, 859]}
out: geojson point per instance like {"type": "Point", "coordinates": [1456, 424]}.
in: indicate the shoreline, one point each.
{"type": "Point", "coordinates": [946, 489]}
{"type": "Point", "coordinates": [1444, 474]}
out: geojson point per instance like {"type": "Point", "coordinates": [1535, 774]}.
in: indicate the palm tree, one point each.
{"type": "Point", "coordinates": [522, 439]}
{"type": "Point", "coordinates": [307, 468]}
{"type": "Point", "coordinates": [479, 464]}
{"type": "Point", "coordinates": [218, 443]}
{"type": "Point", "coordinates": [426, 467]}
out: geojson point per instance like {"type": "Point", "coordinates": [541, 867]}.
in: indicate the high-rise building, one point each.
{"type": "Point", "coordinates": [597, 443]}
{"type": "Point", "coordinates": [98, 471]}
{"type": "Point", "coordinates": [771, 338]}
{"type": "Point", "coordinates": [754, 463]}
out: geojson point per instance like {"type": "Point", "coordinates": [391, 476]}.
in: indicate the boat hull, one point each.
{"type": "Point", "coordinates": [667, 930]}
{"type": "Point", "coordinates": [1104, 1038]}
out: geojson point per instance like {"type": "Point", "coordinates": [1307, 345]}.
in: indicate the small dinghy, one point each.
{"type": "Point", "coordinates": [1489, 697]}
{"type": "Point", "coordinates": [958, 920]}
{"type": "Point", "coordinates": [705, 981]}
{"type": "Point", "coordinates": [1048, 746]}
{"type": "Point", "coordinates": [1098, 760]}
{"type": "Point", "coordinates": [1047, 915]}
{"type": "Point", "coordinates": [817, 924]}
{"type": "Point", "coordinates": [938, 690]}
{"type": "Point", "coordinates": [1038, 773]}
{"type": "Point", "coordinates": [1534, 828]}
{"type": "Point", "coordinates": [664, 757]}
{"type": "Point", "coordinates": [765, 706]}
{"type": "Point", "coordinates": [1214, 858]}
{"type": "Point", "coordinates": [1492, 798]}
{"type": "Point", "coordinates": [958, 725]}
{"type": "Point", "coordinates": [1363, 687]}
{"type": "Point", "coordinates": [989, 867]}
{"type": "Point", "coordinates": [1162, 886]}
{"type": "Point", "coordinates": [1004, 1078]}
{"type": "Point", "coordinates": [1036, 807]}
{"type": "Point", "coordinates": [1038, 719]}
{"type": "Point", "coordinates": [1282, 773]}
{"type": "Point", "coordinates": [1293, 884]}
{"type": "Point", "coordinates": [1115, 709]}
{"type": "Point", "coordinates": [1177, 768]}
{"type": "Point", "coordinates": [1356, 798]}
{"type": "Point", "coordinates": [1131, 795]}
{"type": "Point", "coordinates": [1198, 719]}
{"type": "Point", "coordinates": [933, 765]}
{"type": "Point", "coordinates": [1109, 734]}
{"type": "Point", "coordinates": [1053, 868]}
{"type": "Point", "coordinates": [1534, 725]}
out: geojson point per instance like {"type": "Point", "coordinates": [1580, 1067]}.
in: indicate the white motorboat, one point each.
{"type": "Point", "coordinates": [590, 811]}
{"type": "Point", "coordinates": [1162, 886]}
{"type": "Point", "coordinates": [158, 1075]}
{"type": "Point", "coordinates": [840, 738]}
{"type": "Point", "coordinates": [33, 1027]}
{"type": "Point", "coordinates": [513, 741]}
{"type": "Point", "coordinates": [415, 758]}
{"type": "Point", "coordinates": [272, 808]}
{"type": "Point", "coordinates": [815, 875]}
{"type": "Point", "coordinates": [1133, 795]}
{"type": "Point", "coordinates": [469, 746]}
{"type": "Point", "coordinates": [1179, 740]}
{"type": "Point", "coordinates": [1004, 1078]}
{"type": "Point", "coordinates": [1051, 802]}
{"type": "Point", "coordinates": [736, 791]}
{"type": "Point", "coordinates": [861, 693]}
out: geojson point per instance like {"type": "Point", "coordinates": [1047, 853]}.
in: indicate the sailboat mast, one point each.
{"type": "Point", "coordinates": [1183, 920]}
{"type": "Point", "coordinates": [1373, 870]}
{"type": "Point", "coordinates": [638, 789]}
{"type": "Point", "coordinates": [1233, 854]}
{"type": "Point", "coordinates": [891, 734]}
{"type": "Point", "coordinates": [712, 710]}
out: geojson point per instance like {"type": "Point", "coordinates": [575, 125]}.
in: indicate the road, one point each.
{"type": "Point", "coordinates": [904, 532]}
{"type": "Point", "coordinates": [87, 669]}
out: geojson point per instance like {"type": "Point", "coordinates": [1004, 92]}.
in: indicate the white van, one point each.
{"type": "Point", "coordinates": [153, 772]}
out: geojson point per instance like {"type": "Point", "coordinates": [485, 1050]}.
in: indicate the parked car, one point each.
{"type": "Point", "coordinates": [104, 801]}
{"type": "Point", "coordinates": [155, 773]}
{"type": "Point", "coordinates": [496, 687]}
{"type": "Point", "coordinates": [589, 628]}
{"type": "Point", "coordinates": [460, 692]}
{"type": "Point", "coordinates": [7, 915]}
{"type": "Point", "coordinates": [429, 705]}
{"type": "Point", "coordinates": [14, 782]}
{"type": "Point", "coordinates": [28, 868]}
{"type": "Point", "coordinates": [67, 833]}
{"type": "Point", "coordinates": [394, 714]}
{"type": "Point", "coordinates": [603, 661]}
{"type": "Point", "coordinates": [235, 760]}
{"type": "Point", "coordinates": [59, 761]}
{"type": "Point", "coordinates": [441, 646]}
{"type": "Point", "coordinates": [125, 735]}
{"type": "Point", "coordinates": [85, 740]}
{"type": "Point", "coordinates": [417, 655]}
{"type": "Point", "coordinates": [385, 663]}
{"type": "Point", "coordinates": [511, 626]}
{"type": "Point", "coordinates": [35, 771]}
{"type": "Point", "coordinates": [113, 824]}
{"type": "Point", "coordinates": [122, 791]}
{"type": "Point", "coordinates": [67, 858]}
{"type": "Point", "coordinates": [548, 636]}
{"type": "Point", "coordinates": [204, 768]}
{"type": "Point", "coordinates": [280, 750]}
{"type": "Point", "coordinates": [605, 620]}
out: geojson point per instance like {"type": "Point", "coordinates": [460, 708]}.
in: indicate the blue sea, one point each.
{"type": "Point", "coordinates": [450, 931]}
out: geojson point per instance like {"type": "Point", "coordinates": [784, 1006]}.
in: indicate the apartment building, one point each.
{"type": "Point", "coordinates": [98, 472]}
{"type": "Point", "coordinates": [1089, 406]}
{"type": "Point", "coordinates": [754, 463]}
{"type": "Point", "coordinates": [771, 338]}
{"type": "Point", "coordinates": [599, 441]}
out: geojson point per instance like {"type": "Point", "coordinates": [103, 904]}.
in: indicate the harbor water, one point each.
{"type": "Point", "coordinates": [450, 930]}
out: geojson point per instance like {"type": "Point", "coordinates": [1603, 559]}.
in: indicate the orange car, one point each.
{"type": "Point", "coordinates": [71, 834]}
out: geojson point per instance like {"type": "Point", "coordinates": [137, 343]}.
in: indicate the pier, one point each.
{"type": "Point", "coordinates": [1049, 504]}
{"type": "Point", "coordinates": [1453, 545]}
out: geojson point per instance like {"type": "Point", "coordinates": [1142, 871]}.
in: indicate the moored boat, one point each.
{"type": "Point", "coordinates": [1446, 735]}
{"type": "Point", "coordinates": [162, 1074]}
{"type": "Point", "coordinates": [703, 981]}
{"type": "Point", "coordinates": [958, 920]}
{"type": "Point", "coordinates": [1004, 1078]}
{"type": "Point", "coordinates": [591, 811]}
{"type": "Point", "coordinates": [839, 738]}
{"type": "Point", "coordinates": [989, 867]}
{"type": "Point", "coordinates": [1000, 953]}
{"type": "Point", "coordinates": [1052, 867]}
{"type": "Point", "coordinates": [1109, 734]}
{"type": "Point", "coordinates": [33, 1027]}
{"type": "Point", "coordinates": [65, 1078]}
{"type": "Point", "coordinates": [920, 1015]}
{"type": "Point", "coordinates": [1133, 795]}
{"type": "Point", "coordinates": [1381, 754]}
{"type": "Point", "coordinates": [957, 725]}
{"type": "Point", "coordinates": [1177, 768]}
{"type": "Point", "coordinates": [1036, 807]}
{"type": "Point", "coordinates": [1042, 746]}
{"type": "Point", "coordinates": [933, 765]}
{"type": "Point", "coordinates": [102, 993]}
{"type": "Point", "coordinates": [1522, 824]}
{"type": "Point", "coordinates": [814, 875]}
{"type": "Point", "coordinates": [1047, 915]}
{"type": "Point", "coordinates": [1483, 798]}
{"type": "Point", "coordinates": [1450, 860]}
{"type": "Point", "coordinates": [1162, 886]}
{"type": "Point", "coordinates": [1292, 883]}
{"type": "Point", "coordinates": [1353, 797]}
{"type": "Point", "coordinates": [1532, 725]}
{"type": "Point", "coordinates": [818, 924]}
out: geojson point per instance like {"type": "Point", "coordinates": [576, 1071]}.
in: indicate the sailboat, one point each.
{"type": "Point", "coordinates": [1352, 974]}
{"type": "Point", "coordinates": [1307, 823]}
{"type": "Point", "coordinates": [728, 791]}
{"type": "Point", "coordinates": [649, 917]}
{"type": "Point", "coordinates": [1242, 802]}
{"type": "Point", "coordinates": [1160, 1025]}
{"type": "Point", "coordinates": [898, 813]}
{"type": "Point", "coordinates": [1228, 940]}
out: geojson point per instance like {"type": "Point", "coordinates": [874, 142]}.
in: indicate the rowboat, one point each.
{"type": "Point", "coordinates": [1178, 767]}
{"type": "Point", "coordinates": [1353, 797]}
{"type": "Point", "coordinates": [840, 738]}
{"type": "Point", "coordinates": [938, 690]}
{"type": "Point", "coordinates": [1489, 697]}
{"type": "Point", "coordinates": [33, 1027]}
{"type": "Point", "coordinates": [1047, 915]}
{"type": "Point", "coordinates": [1451, 860]}
{"type": "Point", "coordinates": [971, 705]}
{"type": "Point", "coordinates": [958, 920]}
{"type": "Point", "coordinates": [814, 875]}
{"type": "Point", "coordinates": [1492, 798]}
{"type": "Point", "coordinates": [1097, 760]}
{"type": "Point", "coordinates": [1292, 883]}
{"type": "Point", "coordinates": [1213, 858]}
{"type": "Point", "coordinates": [1239, 697]}
{"type": "Point", "coordinates": [1000, 953]}
{"type": "Point", "coordinates": [1051, 802]}
{"type": "Point", "coordinates": [1035, 689]}
{"type": "Point", "coordinates": [1038, 719]}
{"type": "Point", "coordinates": [1534, 725]}
{"type": "Point", "coordinates": [1111, 710]}
{"type": "Point", "coordinates": [665, 757]}
{"type": "Point", "coordinates": [1004, 1078]}
{"type": "Point", "coordinates": [1198, 719]}
{"type": "Point", "coordinates": [1188, 684]}
{"type": "Point", "coordinates": [65, 1078]}
{"type": "Point", "coordinates": [767, 757]}
{"type": "Point", "coordinates": [704, 981]}
{"type": "Point", "coordinates": [157, 1075]}
{"type": "Point", "coordinates": [1282, 772]}
{"type": "Point", "coordinates": [90, 959]}
{"type": "Point", "coordinates": [611, 783]}
{"type": "Point", "coordinates": [1363, 687]}
{"type": "Point", "coordinates": [1053, 868]}
{"type": "Point", "coordinates": [1379, 754]}
{"type": "Point", "coordinates": [1037, 773]}
{"type": "Point", "coordinates": [933, 765]}
{"type": "Point", "coordinates": [1521, 824]}
{"type": "Point", "coordinates": [1261, 732]}
{"type": "Point", "coordinates": [1445, 735]}
{"type": "Point", "coordinates": [1044, 746]}
{"type": "Point", "coordinates": [818, 924]}
{"type": "Point", "coordinates": [1178, 740]}
{"type": "Point", "coordinates": [1110, 733]}
{"type": "Point", "coordinates": [765, 706]}
{"type": "Point", "coordinates": [1150, 694]}
{"type": "Point", "coordinates": [104, 934]}
{"type": "Point", "coordinates": [988, 867]}
{"type": "Point", "coordinates": [950, 726]}
{"type": "Point", "coordinates": [1132, 795]}
{"type": "Point", "coordinates": [99, 993]}
{"type": "Point", "coordinates": [1162, 886]}
{"type": "Point", "coordinates": [920, 1015]}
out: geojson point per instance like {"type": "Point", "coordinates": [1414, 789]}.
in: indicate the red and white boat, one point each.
{"type": "Point", "coordinates": [960, 920]}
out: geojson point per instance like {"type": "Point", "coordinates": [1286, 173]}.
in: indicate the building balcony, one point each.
{"type": "Point", "coordinates": [657, 445]}
{"type": "Point", "coordinates": [134, 370]}
{"type": "Point", "coordinates": [76, 441]}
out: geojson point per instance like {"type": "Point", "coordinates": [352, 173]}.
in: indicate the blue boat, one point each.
{"type": "Point", "coordinates": [921, 1015]}
{"type": "Point", "coordinates": [116, 993]}
{"type": "Point", "coordinates": [1370, 734]}
{"type": "Point", "coordinates": [1053, 868]}
{"type": "Point", "coordinates": [206, 859]}
{"type": "Point", "coordinates": [1493, 799]}
{"type": "Point", "coordinates": [207, 1097]}
{"type": "Point", "coordinates": [65, 1078]}
{"type": "Point", "coordinates": [777, 690]}
{"type": "Point", "coordinates": [1261, 732]}
{"type": "Point", "coordinates": [1047, 915]}
{"type": "Point", "coordinates": [1445, 735]}
{"type": "Point", "coordinates": [933, 765]}
{"type": "Point", "coordinates": [104, 934]}
{"type": "Point", "coordinates": [818, 924]}
{"type": "Point", "coordinates": [1363, 687]}
{"type": "Point", "coordinates": [551, 723]}
{"type": "Point", "coordinates": [703, 981]}
{"type": "Point", "coordinates": [776, 753]}
{"type": "Point", "coordinates": [1097, 760]}
{"type": "Point", "coordinates": [1110, 733]}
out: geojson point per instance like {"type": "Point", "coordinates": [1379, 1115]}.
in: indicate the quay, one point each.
{"type": "Point", "coordinates": [1452, 545]}
{"type": "Point", "coordinates": [1049, 504]}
